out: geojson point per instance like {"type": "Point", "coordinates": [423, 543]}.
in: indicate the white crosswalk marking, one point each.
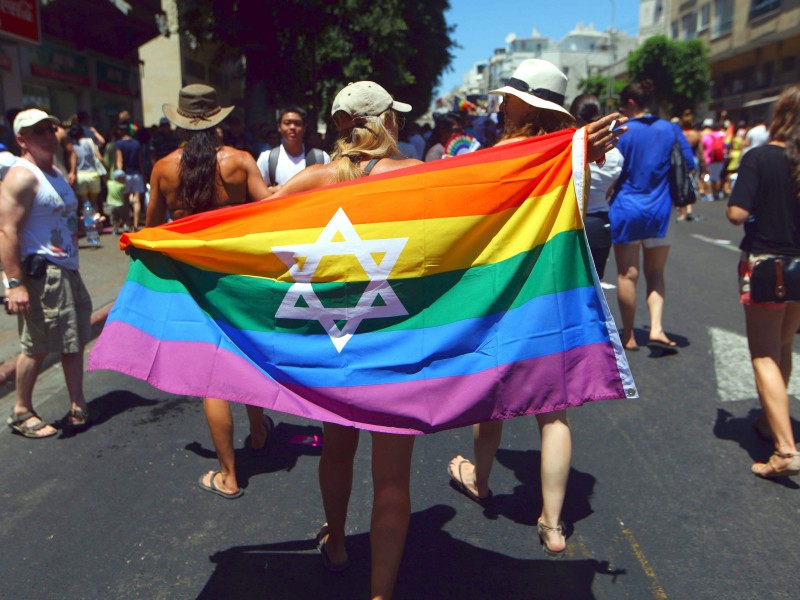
{"type": "Point", "coordinates": [726, 244]}
{"type": "Point", "coordinates": [733, 369]}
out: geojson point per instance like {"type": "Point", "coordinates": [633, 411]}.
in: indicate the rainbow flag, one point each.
{"type": "Point", "coordinates": [431, 297]}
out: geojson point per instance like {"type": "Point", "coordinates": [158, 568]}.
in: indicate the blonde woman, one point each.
{"type": "Point", "coordinates": [367, 118]}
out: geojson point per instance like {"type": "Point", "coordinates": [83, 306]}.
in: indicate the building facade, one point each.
{"type": "Point", "coordinates": [584, 51]}
{"type": "Point", "coordinates": [70, 55]}
{"type": "Point", "coordinates": [754, 50]}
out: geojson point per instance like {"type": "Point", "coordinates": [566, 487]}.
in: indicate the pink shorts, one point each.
{"type": "Point", "coordinates": [746, 262]}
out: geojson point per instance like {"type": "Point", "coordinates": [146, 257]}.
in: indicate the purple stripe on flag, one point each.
{"type": "Point", "coordinates": [544, 384]}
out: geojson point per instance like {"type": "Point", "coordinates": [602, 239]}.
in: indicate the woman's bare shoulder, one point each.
{"type": "Point", "coordinates": [387, 164]}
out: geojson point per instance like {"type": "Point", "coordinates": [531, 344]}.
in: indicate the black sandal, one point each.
{"type": "Point", "coordinates": [18, 426]}
{"type": "Point", "coordinates": [78, 418]}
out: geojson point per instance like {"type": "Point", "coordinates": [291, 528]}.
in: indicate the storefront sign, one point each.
{"type": "Point", "coordinates": [56, 63]}
{"type": "Point", "coordinates": [19, 19]}
{"type": "Point", "coordinates": [114, 79]}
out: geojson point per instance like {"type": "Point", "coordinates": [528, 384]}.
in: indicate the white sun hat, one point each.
{"type": "Point", "coordinates": [538, 83]}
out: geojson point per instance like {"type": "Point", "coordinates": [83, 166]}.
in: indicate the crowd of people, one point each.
{"type": "Point", "coordinates": [209, 161]}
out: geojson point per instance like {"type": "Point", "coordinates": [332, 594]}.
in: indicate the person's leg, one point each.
{"type": "Point", "coordinates": [258, 427]}
{"type": "Point", "coordinates": [27, 370]}
{"type": "Point", "coordinates": [136, 202]}
{"type": "Point", "coordinates": [655, 261]}
{"type": "Point", "coordinates": [627, 257]}
{"type": "Point", "coordinates": [220, 424]}
{"type": "Point", "coordinates": [765, 337]}
{"type": "Point", "coordinates": [335, 484]}
{"type": "Point", "coordinates": [72, 364]}
{"type": "Point", "coordinates": [556, 458]}
{"type": "Point", "coordinates": [789, 327]}
{"type": "Point", "coordinates": [391, 508]}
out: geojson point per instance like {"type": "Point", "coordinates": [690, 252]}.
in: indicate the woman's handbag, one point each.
{"type": "Point", "coordinates": [681, 183]}
{"type": "Point", "coordinates": [98, 164]}
{"type": "Point", "coordinates": [775, 279]}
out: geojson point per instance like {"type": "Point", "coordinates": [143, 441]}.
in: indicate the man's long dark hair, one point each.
{"type": "Point", "coordinates": [199, 168]}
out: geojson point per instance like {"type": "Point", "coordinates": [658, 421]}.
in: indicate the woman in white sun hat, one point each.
{"type": "Point", "coordinates": [533, 104]}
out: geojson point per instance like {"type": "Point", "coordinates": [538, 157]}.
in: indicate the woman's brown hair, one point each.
{"type": "Point", "coordinates": [785, 127]}
{"type": "Point", "coordinates": [541, 122]}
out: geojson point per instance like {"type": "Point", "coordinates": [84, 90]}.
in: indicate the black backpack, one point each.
{"type": "Point", "coordinates": [313, 157]}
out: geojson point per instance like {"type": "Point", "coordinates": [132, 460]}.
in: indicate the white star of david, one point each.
{"type": "Point", "coordinates": [340, 238]}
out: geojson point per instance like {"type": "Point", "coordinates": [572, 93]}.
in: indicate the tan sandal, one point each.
{"type": "Point", "coordinates": [767, 471]}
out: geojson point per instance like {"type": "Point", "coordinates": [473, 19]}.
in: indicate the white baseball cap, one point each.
{"type": "Point", "coordinates": [31, 117]}
{"type": "Point", "coordinates": [366, 99]}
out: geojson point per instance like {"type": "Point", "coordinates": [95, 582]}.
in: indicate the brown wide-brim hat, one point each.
{"type": "Point", "coordinates": [197, 108]}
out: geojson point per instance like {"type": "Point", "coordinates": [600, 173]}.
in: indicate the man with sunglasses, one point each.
{"type": "Point", "coordinates": [39, 251]}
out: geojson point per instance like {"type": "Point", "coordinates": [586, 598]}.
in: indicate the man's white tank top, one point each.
{"type": "Point", "coordinates": [51, 226]}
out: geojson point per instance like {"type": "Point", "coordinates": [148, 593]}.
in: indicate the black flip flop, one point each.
{"type": "Point", "coordinates": [459, 486]}
{"type": "Point", "coordinates": [673, 347]}
{"type": "Point", "coordinates": [331, 566]}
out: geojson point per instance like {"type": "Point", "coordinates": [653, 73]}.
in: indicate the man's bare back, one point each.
{"type": "Point", "coordinates": [238, 181]}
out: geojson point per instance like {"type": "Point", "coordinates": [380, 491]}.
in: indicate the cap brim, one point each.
{"type": "Point", "coordinates": [194, 124]}
{"type": "Point", "coordinates": [401, 106]}
{"type": "Point", "coordinates": [48, 118]}
{"type": "Point", "coordinates": [532, 100]}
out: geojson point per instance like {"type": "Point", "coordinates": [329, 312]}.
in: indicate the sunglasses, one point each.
{"type": "Point", "coordinates": [42, 129]}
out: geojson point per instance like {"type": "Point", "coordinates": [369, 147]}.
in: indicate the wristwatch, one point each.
{"type": "Point", "coordinates": [12, 283]}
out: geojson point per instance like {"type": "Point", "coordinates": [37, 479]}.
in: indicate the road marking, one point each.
{"type": "Point", "coordinates": [655, 587]}
{"type": "Point", "coordinates": [727, 244]}
{"type": "Point", "coordinates": [735, 380]}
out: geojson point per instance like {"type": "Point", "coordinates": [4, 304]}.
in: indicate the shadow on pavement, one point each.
{"type": "Point", "coordinates": [741, 430]}
{"type": "Point", "coordinates": [524, 504]}
{"type": "Point", "coordinates": [106, 407]}
{"type": "Point", "coordinates": [282, 456]}
{"type": "Point", "coordinates": [436, 566]}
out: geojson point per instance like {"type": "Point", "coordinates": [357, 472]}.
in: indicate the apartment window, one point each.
{"type": "Point", "coordinates": [723, 17]}
{"type": "Point", "coordinates": [704, 18]}
{"type": "Point", "coordinates": [689, 26]}
{"type": "Point", "coordinates": [674, 30]}
{"type": "Point", "coordinates": [759, 8]}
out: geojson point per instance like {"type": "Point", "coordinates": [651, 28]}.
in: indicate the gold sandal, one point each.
{"type": "Point", "coordinates": [767, 471]}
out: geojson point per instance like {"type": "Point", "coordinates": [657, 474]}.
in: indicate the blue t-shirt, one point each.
{"type": "Point", "coordinates": [131, 149]}
{"type": "Point", "coordinates": [642, 205]}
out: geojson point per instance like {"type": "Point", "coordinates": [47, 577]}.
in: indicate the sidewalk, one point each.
{"type": "Point", "coordinates": [103, 269]}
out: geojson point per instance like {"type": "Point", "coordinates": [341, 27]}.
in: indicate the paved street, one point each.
{"type": "Point", "coordinates": [661, 502]}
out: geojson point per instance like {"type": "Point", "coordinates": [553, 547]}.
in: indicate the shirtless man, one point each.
{"type": "Point", "coordinates": [201, 176]}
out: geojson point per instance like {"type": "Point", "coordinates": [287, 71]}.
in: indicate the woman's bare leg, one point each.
{"type": "Point", "coordinates": [391, 508]}
{"type": "Point", "coordinates": [556, 459]}
{"type": "Point", "coordinates": [220, 424]}
{"type": "Point", "coordinates": [335, 484]}
{"type": "Point", "coordinates": [627, 258]}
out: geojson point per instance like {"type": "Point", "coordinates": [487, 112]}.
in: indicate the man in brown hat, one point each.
{"type": "Point", "coordinates": [205, 175]}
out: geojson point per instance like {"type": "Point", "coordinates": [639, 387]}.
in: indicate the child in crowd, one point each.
{"type": "Point", "coordinates": [115, 207]}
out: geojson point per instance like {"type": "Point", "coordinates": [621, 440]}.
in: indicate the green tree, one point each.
{"type": "Point", "coordinates": [303, 51]}
{"type": "Point", "coordinates": [597, 85]}
{"type": "Point", "coordinates": [679, 70]}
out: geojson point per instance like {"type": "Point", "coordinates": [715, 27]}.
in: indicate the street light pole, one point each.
{"type": "Point", "coordinates": [611, 60]}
